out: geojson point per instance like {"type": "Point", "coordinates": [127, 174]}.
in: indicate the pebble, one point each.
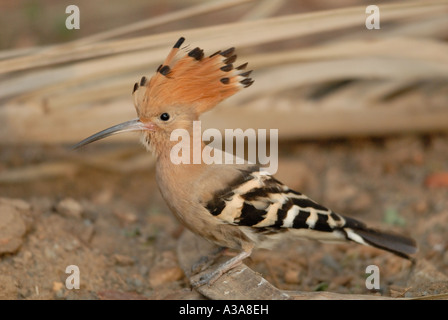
{"type": "Point", "coordinates": [292, 276]}
{"type": "Point", "coordinates": [126, 217]}
{"type": "Point", "coordinates": [12, 225]}
{"type": "Point", "coordinates": [57, 286]}
{"type": "Point", "coordinates": [70, 208]}
{"type": "Point", "coordinates": [123, 260]}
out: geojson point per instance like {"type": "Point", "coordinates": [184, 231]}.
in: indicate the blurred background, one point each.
{"type": "Point", "coordinates": [362, 118]}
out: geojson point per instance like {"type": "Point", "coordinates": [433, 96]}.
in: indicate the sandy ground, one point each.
{"type": "Point", "coordinates": [116, 228]}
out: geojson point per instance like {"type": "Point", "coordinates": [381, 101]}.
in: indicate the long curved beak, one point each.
{"type": "Point", "coordinates": [132, 125]}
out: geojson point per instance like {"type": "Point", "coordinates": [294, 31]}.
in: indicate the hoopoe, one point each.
{"type": "Point", "coordinates": [234, 206]}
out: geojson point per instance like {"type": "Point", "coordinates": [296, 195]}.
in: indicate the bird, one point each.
{"type": "Point", "coordinates": [235, 206]}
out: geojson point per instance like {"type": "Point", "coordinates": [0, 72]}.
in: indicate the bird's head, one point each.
{"type": "Point", "coordinates": [178, 93]}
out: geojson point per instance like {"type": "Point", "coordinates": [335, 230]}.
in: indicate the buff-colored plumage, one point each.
{"type": "Point", "coordinates": [235, 206]}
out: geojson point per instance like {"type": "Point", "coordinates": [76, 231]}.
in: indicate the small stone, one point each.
{"type": "Point", "coordinates": [292, 276]}
{"type": "Point", "coordinates": [57, 286]}
{"type": "Point", "coordinates": [123, 260]}
{"type": "Point", "coordinates": [126, 217]}
{"type": "Point", "coordinates": [12, 227]}
{"type": "Point", "coordinates": [70, 208]}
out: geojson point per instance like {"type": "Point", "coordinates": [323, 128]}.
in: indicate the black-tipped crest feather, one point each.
{"type": "Point", "coordinates": [179, 42]}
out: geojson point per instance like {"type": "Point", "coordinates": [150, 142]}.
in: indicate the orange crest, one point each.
{"type": "Point", "coordinates": [194, 81]}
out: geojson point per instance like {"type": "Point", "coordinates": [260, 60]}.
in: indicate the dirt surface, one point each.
{"type": "Point", "coordinates": [116, 228]}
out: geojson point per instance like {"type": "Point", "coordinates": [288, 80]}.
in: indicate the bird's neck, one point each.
{"type": "Point", "coordinates": [183, 148]}
{"type": "Point", "coordinates": [173, 177]}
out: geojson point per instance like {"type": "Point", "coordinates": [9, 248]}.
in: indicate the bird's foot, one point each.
{"type": "Point", "coordinates": [211, 277]}
{"type": "Point", "coordinates": [208, 279]}
{"type": "Point", "coordinates": [206, 261]}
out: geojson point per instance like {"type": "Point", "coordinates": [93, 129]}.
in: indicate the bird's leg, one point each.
{"type": "Point", "coordinates": [206, 261]}
{"type": "Point", "coordinates": [211, 277]}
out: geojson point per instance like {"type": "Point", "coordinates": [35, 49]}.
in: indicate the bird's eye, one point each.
{"type": "Point", "coordinates": [165, 117]}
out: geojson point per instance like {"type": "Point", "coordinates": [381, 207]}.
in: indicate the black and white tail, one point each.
{"type": "Point", "coordinates": [397, 244]}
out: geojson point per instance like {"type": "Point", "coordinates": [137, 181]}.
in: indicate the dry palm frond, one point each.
{"type": "Point", "coordinates": [318, 74]}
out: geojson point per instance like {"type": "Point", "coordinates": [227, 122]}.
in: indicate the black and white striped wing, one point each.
{"type": "Point", "coordinates": [258, 200]}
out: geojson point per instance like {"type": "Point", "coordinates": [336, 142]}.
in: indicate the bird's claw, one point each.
{"type": "Point", "coordinates": [207, 279]}
{"type": "Point", "coordinates": [206, 261]}
{"type": "Point", "coordinates": [202, 264]}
